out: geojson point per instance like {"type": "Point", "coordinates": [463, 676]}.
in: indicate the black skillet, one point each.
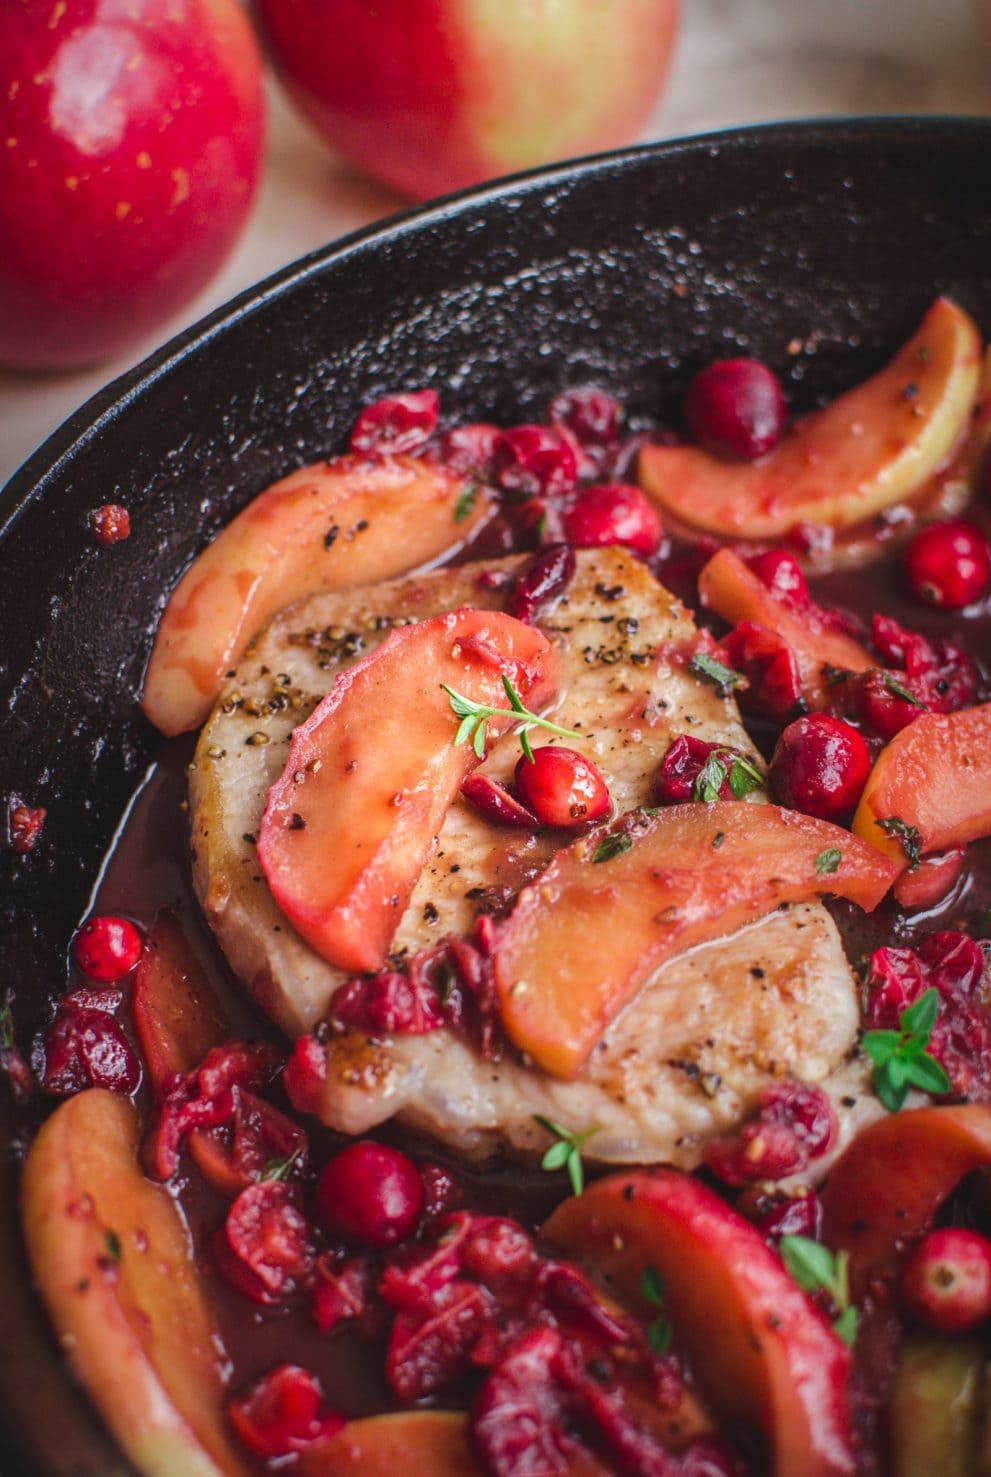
{"type": "Point", "coordinates": [630, 271]}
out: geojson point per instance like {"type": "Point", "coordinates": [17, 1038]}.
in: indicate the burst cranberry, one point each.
{"type": "Point", "coordinates": [774, 681]}
{"type": "Point", "coordinates": [946, 1283]}
{"type": "Point", "coordinates": [518, 1420]}
{"type": "Point", "coordinates": [795, 1123]}
{"type": "Point", "coordinates": [562, 787]}
{"type": "Point", "coordinates": [282, 1413]}
{"type": "Point", "coordinates": [895, 980]}
{"type": "Point", "coordinates": [496, 803]}
{"type": "Point", "coordinates": [441, 1193]}
{"type": "Point", "coordinates": [264, 1245]}
{"type": "Point", "coordinates": [111, 523]}
{"type": "Point", "coordinates": [370, 1195]}
{"type": "Point", "coordinates": [384, 1003]}
{"type": "Point", "coordinates": [948, 564]}
{"type": "Point", "coordinates": [614, 513]}
{"type": "Point", "coordinates": [470, 450]}
{"type": "Point", "coordinates": [592, 416]}
{"type": "Point", "coordinates": [498, 1252]}
{"type": "Point", "coordinates": [782, 574]}
{"type": "Point", "coordinates": [954, 963]}
{"type": "Point", "coordinates": [24, 825]}
{"type": "Point", "coordinates": [397, 423]}
{"type": "Point", "coordinates": [429, 1348]}
{"type": "Point", "coordinates": [87, 1048]}
{"type": "Point", "coordinates": [107, 948]}
{"type": "Point", "coordinates": [683, 763]}
{"type": "Point", "coordinates": [736, 408]}
{"type": "Point", "coordinates": [343, 1292]}
{"type": "Point", "coordinates": [778, 1215]}
{"type": "Point", "coordinates": [535, 461]}
{"type": "Point", "coordinates": [545, 577]}
{"type": "Point", "coordinates": [887, 702]}
{"type": "Point", "coordinates": [820, 766]}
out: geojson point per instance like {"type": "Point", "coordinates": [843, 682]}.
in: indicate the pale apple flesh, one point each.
{"type": "Point", "coordinates": [936, 1407]}
{"type": "Point", "coordinates": [873, 446]}
{"type": "Point", "coordinates": [112, 1261]}
{"type": "Point", "coordinates": [414, 1441]}
{"type": "Point", "coordinates": [352, 521]}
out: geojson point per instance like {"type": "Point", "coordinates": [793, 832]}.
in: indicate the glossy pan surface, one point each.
{"type": "Point", "coordinates": [814, 246]}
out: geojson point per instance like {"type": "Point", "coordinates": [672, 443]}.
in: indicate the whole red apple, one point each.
{"type": "Point", "coordinates": [432, 95]}
{"type": "Point", "coordinates": [131, 138]}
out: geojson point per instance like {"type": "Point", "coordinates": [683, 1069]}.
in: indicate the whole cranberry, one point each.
{"type": "Point", "coordinates": [782, 574]}
{"type": "Point", "coordinates": [948, 564]}
{"type": "Point", "coordinates": [946, 1283]}
{"type": "Point", "coordinates": [614, 513]}
{"type": "Point", "coordinates": [110, 523]}
{"type": "Point", "coordinates": [370, 1195]}
{"type": "Point", "coordinates": [535, 461]}
{"type": "Point", "coordinates": [562, 787]}
{"type": "Point", "coordinates": [397, 423]}
{"type": "Point", "coordinates": [106, 948]}
{"type": "Point", "coordinates": [24, 825]}
{"type": "Point", "coordinates": [736, 408]}
{"type": "Point", "coordinates": [820, 766]}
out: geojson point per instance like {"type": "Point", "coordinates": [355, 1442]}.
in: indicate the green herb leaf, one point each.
{"type": "Point", "coordinates": [474, 716]}
{"type": "Point", "coordinates": [908, 836]}
{"type": "Point", "coordinates": [659, 1335]}
{"type": "Point", "coordinates": [900, 690]}
{"type": "Point", "coordinates": [882, 1045]}
{"type": "Point", "coordinates": [466, 502]}
{"type": "Point", "coordinates": [114, 1248]}
{"type": "Point", "coordinates": [709, 780]}
{"type": "Point", "coordinates": [6, 1026]}
{"type": "Point", "coordinates": [744, 778]}
{"type": "Point", "coordinates": [828, 861]}
{"type": "Point", "coordinates": [927, 1075]}
{"type": "Point", "coordinates": [845, 1326]}
{"type": "Point", "coordinates": [814, 1266]}
{"type": "Point", "coordinates": [280, 1169]}
{"type": "Point", "coordinates": [920, 1017]}
{"type": "Point", "coordinates": [704, 665]}
{"type": "Point", "coordinates": [611, 846]}
{"type": "Point", "coordinates": [567, 1152]}
{"type": "Point", "coordinates": [652, 1286]}
{"type": "Point", "coordinates": [900, 1057]}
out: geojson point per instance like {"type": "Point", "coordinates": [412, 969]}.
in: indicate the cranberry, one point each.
{"type": "Point", "coordinates": [264, 1246]}
{"type": "Point", "coordinates": [796, 1123]}
{"type": "Point", "coordinates": [777, 1214]}
{"type": "Point", "coordinates": [954, 962]}
{"type": "Point", "coordinates": [343, 1292]}
{"type": "Point", "coordinates": [370, 1194]}
{"type": "Point", "coordinates": [441, 1193]}
{"type": "Point", "coordinates": [592, 416]}
{"type": "Point", "coordinates": [895, 980]}
{"type": "Point", "coordinates": [241, 1153]}
{"type": "Point", "coordinates": [397, 423]}
{"type": "Point", "coordinates": [820, 766]}
{"type": "Point", "coordinates": [887, 702]}
{"type": "Point", "coordinates": [87, 1048]}
{"type": "Point", "coordinates": [428, 1348]}
{"type": "Point", "coordinates": [948, 564]}
{"type": "Point", "coordinates": [283, 1412]}
{"type": "Point", "coordinates": [386, 1003]}
{"type": "Point", "coordinates": [683, 763]}
{"type": "Point", "coordinates": [946, 1282]}
{"type": "Point", "coordinates": [496, 803]}
{"type": "Point", "coordinates": [614, 513]}
{"type": "Point", "coordinates": [544, 578]}
{"type": "Point", "coordinates": [535, 461]}
{"type": "Point", "coordinates": [782, 574]}
{"type": "Point", "coordinates": [107, 948]}
{"type": "Point", "coordinates": [937, 674]}
{"type": "Point", "coordinates": [562, 787]}
{"type": "Point", "coordinates": [518, 1420]}
{"type": "Point", "coordinates": [736, 408]}
{"type": "Point", "coordinates": [774, 679]}
{"type": "Point", "coordinates": [470, 450]}
{"type": "Point", "coordinates": [24, 825]}
{"type": "Point", "coordinates": [110, 523]}
{"type": "Point", "coordinates": [498, 1252]}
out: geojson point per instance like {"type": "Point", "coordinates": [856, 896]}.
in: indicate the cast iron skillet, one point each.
{"type": "Point", "coordinates": [628, 270]}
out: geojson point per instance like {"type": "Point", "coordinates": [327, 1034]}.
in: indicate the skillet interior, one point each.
{"type": "Point", "coordinates": [630, 270]}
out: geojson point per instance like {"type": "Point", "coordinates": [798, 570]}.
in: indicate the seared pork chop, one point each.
{"type": "Point", "coordinates": [688, 1058]}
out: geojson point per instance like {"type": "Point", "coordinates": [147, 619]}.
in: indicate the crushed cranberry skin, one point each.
{"type": "Point", "coordinates": [946, 1281]}
{"type": "Point", "coordinates": [87, 1048]}
{"type": "Point", "coordinates": [499, 1253]}
{"type": "Point", "coordinates": [470, 450]}
{"type": "Point", "coordinates": [614, 513]}
{"type": "Point", "coordinates": [543, 579]}
{"type": "Point", "coordinates": [518, 1416]}
{"type": "Point", "coordinates": [795, 1123]}
{"type": "Point", "coordinates": [396, 424]}
{"type": "Point", "coordinates": [785, 1215]}
{"type": "Point", "coordinates": [496, 803]}
{"type": "Point", "coordinates": [820, 766]}
{"type": "Point", "coordinates": [370, 1195]}
{"type": "Point", "coordinates": [265, 1244]}
{"type": "Point", "coordinates": [736, 408]}
{"type": "Point", "coordinates": [562, 787]}
{"type": "Point", "coordinates": [782, 574]}
{"type": "Point", "coordinates": [343, 1292]}
{"type": "Point", "coordinates": [24, 825]}
{"type": "Point", "coordinates": [441, 1193]}
{"type": "Point", "coordinates": [895, 981]}
{"type": "Point", "coordinates": [955, 963]}
{"type": "Point", "coordinates": [387, 1003]}
{"type": "Point", "coordinates": [774, 681]}
{"type": "Point", "coordinates": [684, 761]}
{"type": "Point", "coordinates": [111, 523]}
{"type": "Point", "coordinates": [535, 461]}
{"type": "Point", "coordinates": [282, 1413]}
{"type": "Point", "coordinates": [107, 948]}
{"type": "Point", "coordinates": [948, 564]}
{"type": "Point", "coordinates": [428, 1349]}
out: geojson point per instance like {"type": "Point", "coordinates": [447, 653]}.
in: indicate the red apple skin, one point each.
{"type": "Point", "coordinates": [433, 96]}
{"type": "Point", "coordinates": [132, 138]}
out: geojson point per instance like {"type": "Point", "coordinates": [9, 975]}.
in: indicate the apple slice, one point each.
{"type": "Point", "coordinates": [355, 815]}
{"type": "Point", "coordinates": [873, 446]}
{"type": "Point", "coordinates": [734, 591]}
{"type": "Point", "coordinates": [609, 909]}
{"type": "Point", "coordinates": [427, 1441]}
{"type": "Point", "coordinates": [177, 1015]}
{"type": "Point", "coordinates": [112, 1261]}
{"type": "Point", "coordinates": [885, 1188]}
{"type": "Point", "coordinates": [760, 1351]}
{"type": "Point", "coordinates": [930, 788]}
{"type": "Point", "coordinates": [935, 1412]}
{"type": "Point", "coordinates": [351, 521]}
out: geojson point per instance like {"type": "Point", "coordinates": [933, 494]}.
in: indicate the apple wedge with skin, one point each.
{"type": "Point", "coordinates": [761, 1353]}
{"type": "Point", "coordinates": [731, 588]}
{"type": "Point", "coordinates": [930, 788]}
{"type": "Point", "coordinates": [354, 817]}
{"type": "Point", "coordinates": [111, 1258]}
{"type": "Point", "coordinates": [886, 1187]}
{"type": "Point", "coordinates": [351, 521]}
{"type": "Point", "coordinates": [177, 1015]}
{"type": "Point", "coordinates": [414, 1441]}
{"type": "Point", "coordinates": [874, 446]}
{"type": "Point", "coordinates": [936, 1407]}
{"type": "Point", "coordinates": [612, 907]}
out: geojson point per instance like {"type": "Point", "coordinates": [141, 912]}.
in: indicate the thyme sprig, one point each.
{"type": "Point", "coordinates": [900, 1057]}
{"type": "Point", "coordinates": [814, 1266]}
{"type": "Point", "coordinates": [567, 1152]}
{"type": "Point", "coordinates": [474, 716]}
